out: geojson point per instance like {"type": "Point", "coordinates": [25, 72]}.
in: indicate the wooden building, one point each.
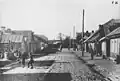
{"type": "Point", "coordinates": [114, 37]}
{"type": "Point", "coordinates": [12, 42]}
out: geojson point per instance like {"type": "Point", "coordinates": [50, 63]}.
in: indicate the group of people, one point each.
{"type": "Point", "coordinates": [20, 56]}
{"type": "Point", "coordinates": [31, 60]}
{"type": "Point", "coordinates": [75, 47]}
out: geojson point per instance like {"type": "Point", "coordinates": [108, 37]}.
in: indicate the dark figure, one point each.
{"type": "Point", "coordinates": [61, 46]}
{"type": "Point", "coordinates": [31, 61]}
{"type": "Point", "coordinates": [68, 47]}
{"type": "Point", "coordinates": [24, 55]}
{"type": "Point", "coordinates": [19, 55]}
{"type": "Point", "coordinates": [117, 59]}
{"type": "Point", "coordinates": [76, 49]}
{"type": "Point", "coordinates": [92, 52]}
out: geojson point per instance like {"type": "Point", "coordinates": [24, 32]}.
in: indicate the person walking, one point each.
{"type": "Point", "coordinates": [24, 55]}
{"type": "Point", "coordinates": [61, 46]}
{"type": "Point", "coordinates": [68, 47]}
{"type": "Point", "coordinates": [31, 61]}
{"type": "Point", "coordinates": [92, 52]}
{"type": "Point", "coordinates": [19, 55]}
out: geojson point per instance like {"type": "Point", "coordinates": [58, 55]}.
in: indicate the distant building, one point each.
{"type": "Point", "coordinates": [12, 42]}
{"type": "Point", "coordinates": [29, 41]}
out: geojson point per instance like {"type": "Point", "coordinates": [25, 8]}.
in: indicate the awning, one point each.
{"type": "Point", "coordinates": [11, 38]}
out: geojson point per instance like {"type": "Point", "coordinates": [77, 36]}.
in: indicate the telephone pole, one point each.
{"type": "Point", "coordinates": [70, 40]}
{"type": "Point", "coordinates": [83, 33]}
{"type": "Point", "coordinates": [73, 36]}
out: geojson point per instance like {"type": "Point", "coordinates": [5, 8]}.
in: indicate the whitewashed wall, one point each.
{"type": "Point", "coordinates": [115, 46]}
{"type": "Point", "coordinates": [111, 45]}
{"type": "Point", "coordinates": [104, 47]}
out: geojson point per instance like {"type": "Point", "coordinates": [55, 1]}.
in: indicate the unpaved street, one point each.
{"type": "Point", "coordinates": [62, 66]}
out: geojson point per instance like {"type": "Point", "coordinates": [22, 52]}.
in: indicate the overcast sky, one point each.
{"type": "Point", "coordinates": [49, 17]}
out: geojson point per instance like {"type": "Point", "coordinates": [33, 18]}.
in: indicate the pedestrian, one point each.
{"type": "Point", "coordinates": [23, 59]}
{"type": "Point", "coordinates": [61, 46]}
{"type": "Point", "coordinates": [16, 54]}
{"type": "Point", "coordinates": [5, 54]}
{"type": "Point", "coordinates": [31, 61]}
{"type": "Point", "coordinates": [92, 52]}
{"type": "Point", "coordinates": [68, 47]}
{"type": "Point", "coordinates": [76, 49]}
{"type": "Point", "coordinates": [19, 55]}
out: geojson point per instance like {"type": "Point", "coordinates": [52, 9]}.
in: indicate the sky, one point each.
{"type": "Point", "coordinates": [50, 17]}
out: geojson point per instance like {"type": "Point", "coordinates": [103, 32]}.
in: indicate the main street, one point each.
{"type": "Point", "coordinates": [62, 66]}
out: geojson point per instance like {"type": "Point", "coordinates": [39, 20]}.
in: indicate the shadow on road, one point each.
{"type": "Point", "coordinates": [58, 77]}
{"type": "Point", "coordinates": [36, 77]}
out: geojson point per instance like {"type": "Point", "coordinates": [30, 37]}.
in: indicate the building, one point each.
{"type": "Point", "coordinates": [114, 37]}
{"type": "Point", "coordinates": [100, 36]}
{"type": "Point", "coordinates": [39, 42]}
{"type": "Point", "coordinates": [12, 42]}
{"type": "Point", "coordinates": [28, 37]}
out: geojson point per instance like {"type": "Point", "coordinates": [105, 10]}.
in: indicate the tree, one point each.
{"type": "Point", "coordinates": [60, 36]}
{"type": "Point", "coordinates": [66, 41]}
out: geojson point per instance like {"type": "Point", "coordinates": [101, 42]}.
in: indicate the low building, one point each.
{"type": "Point", "coordinates": [28, 36]}
{"type": "Point", "coordinates": [13, 42]}
{"type": "Point", "coordinates": [107, 43]}
{"type": "Point", "coordinates": [30, 42]}
{"type": "Point", "coordinates": [39, 42]}
{"type": "Point", "coordinates": [114, 37]}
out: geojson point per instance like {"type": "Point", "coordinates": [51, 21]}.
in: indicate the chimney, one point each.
{"type": "Point", "coordinates": [92, 31]}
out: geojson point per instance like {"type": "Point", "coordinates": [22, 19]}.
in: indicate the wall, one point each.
{"type": "Point", "coordinates": [103, 48]}
{"type": "Point", "coordinates": [115, 47]}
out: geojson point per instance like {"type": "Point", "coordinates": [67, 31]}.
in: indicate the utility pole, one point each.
{"type": "Point", "coordinates": [73, 36]}
{"type": "Point", "coordinates": [83, 33]}
{"type": "Point", "coordinates": [70, 40]}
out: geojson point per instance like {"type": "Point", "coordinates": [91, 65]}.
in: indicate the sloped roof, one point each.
{"type": "Point", "coordinates": [102, 39]}
{"type": "Point", "coordinates": [114, 33]}
{"type": "Point", "coordinates": [111, 25]}
{"type": "Point", "coordinates": [41, 37]}
{"type": "Point", "coordinates": [104, 30]}
{"type": "Point", "coordinates": [22, 32]}
{"type": "Point", "coordinates": [94, 38]}
{"type": "Point", "coordinates": [85, 37]}
{"type": "Point", "coordinates": [11, 38]}
{"type": "Point", "coordinates": [91, 36]}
